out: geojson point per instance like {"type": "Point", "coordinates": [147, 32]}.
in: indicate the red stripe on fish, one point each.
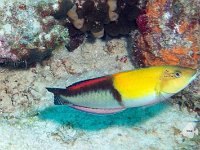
{"type": "Point", "coordinates": [86, 83]}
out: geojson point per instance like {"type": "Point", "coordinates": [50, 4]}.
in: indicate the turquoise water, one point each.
{"type": "Point", "coordinates": [91, 122]}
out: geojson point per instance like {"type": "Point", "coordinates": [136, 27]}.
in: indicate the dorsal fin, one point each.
{"type": "Point", "coordinates": [56, 91]}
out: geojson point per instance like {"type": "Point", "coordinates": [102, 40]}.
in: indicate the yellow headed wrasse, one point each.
{"type": "Point", "coordinates": [114, 93]}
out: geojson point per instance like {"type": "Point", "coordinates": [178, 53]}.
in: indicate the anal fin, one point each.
{"type": "Point", "coordinates": [97, 110]}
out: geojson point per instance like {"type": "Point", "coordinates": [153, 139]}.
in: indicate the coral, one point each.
{"type": "Point", "coordinates": [190, 97]}
{"type": "Point", "coordinates": [63, 7]}
{"type": "Point", "coordinates": [78, 23]}
{"type": "Point", "coordinates": [99, 17]}
{"type": "Point", "coordinates": [169, 33]}
{"type": "Point", "coordinates": [76, 37]}
{"type": "Point", "coordinates": [112, 4]}
{"type": "Point", "coordinates": [5, 51]}
{"type": "Point", "coordinates": [30, 33]}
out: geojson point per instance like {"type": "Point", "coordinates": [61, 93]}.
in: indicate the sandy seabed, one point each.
{"type": "Point", "coordinates": [29, 121]}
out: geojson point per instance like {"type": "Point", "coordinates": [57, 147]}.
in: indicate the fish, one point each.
{"type": "Point", "coordinates": [134, 88]}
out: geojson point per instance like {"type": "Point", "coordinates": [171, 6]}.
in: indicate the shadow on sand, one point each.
{"type": "Point", "coordinates": [81, 120]}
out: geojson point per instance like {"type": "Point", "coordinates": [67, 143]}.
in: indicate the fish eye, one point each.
{"type": "Point", "coordinates": [177, 74]}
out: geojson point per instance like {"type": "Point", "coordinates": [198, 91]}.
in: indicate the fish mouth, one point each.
{"type": "Point", "coordinates": [166, 95]}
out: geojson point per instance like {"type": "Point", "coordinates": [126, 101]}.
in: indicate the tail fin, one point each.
{"type": "Point", "coordinates": [56, 91]}
{"type": "Point", "coordinates": [57, 100]}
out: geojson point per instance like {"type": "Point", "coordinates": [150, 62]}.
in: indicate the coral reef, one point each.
{"type": "Point", "coordinates": [5, 51]}
{"type": "Point", "coordinates": [28, 35]}
{"type": "Point", "coordinates": [169, 33]}
{"type": "Point", "coordinates": [99, 17]}
{"type": "Point", "coordinates": [32, 33]}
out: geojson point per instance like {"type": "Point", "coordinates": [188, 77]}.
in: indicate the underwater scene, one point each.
{"type": "Point", "coordinates": [99, 74]}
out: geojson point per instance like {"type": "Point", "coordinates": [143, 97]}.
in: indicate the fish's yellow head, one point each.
{"type": "Point", "coordinates": [174, 78]}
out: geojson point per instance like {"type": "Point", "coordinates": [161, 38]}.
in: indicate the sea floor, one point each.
{"type": "Point", "coordinates": [156, 127]}
{"type": "Point", "coordinates": [30, 121]}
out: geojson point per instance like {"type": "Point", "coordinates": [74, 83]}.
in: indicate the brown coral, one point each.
{"type": "Point", "coordinates": [99, 17]}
